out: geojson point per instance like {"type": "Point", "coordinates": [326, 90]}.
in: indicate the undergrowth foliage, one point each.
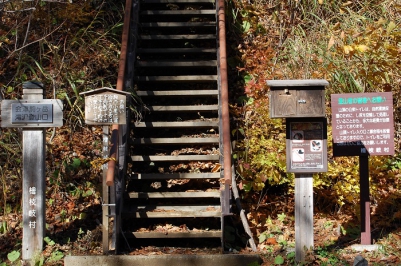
{"type": "Point", "coordinates": [355, 45]}
{"type": "Point", "coordinates": [71, 47]}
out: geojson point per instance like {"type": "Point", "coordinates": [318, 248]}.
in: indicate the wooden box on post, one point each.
{"type": "Point", "coordinates": [105, 106]}
{"type": "Point", "coordinates": [302, 103]}
{"type": "Point", "coordinates": [297, 98]}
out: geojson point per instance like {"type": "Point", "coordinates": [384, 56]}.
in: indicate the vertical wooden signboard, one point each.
{"type": "Point", "coordinates": [33, 114]}
{"type": "Point", "coordinates": [363, 126]}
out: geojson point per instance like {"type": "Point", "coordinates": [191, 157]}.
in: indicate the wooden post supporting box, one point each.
{"type": "Point", "coordinates": [297, 98]}
{"type": "Point", "coordinates": [302, 102]}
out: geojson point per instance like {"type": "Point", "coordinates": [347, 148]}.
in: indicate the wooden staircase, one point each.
{"type": "Point", "coordinates": [175, 187]}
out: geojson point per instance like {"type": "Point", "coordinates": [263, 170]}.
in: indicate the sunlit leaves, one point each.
{"type": "Point", "coordinates": [246, 26]}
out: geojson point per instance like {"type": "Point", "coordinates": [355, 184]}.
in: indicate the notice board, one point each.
{"type": "Point", "coordinates": [306, 145]}
{"type": "Point", "coordinates": [363, 124]}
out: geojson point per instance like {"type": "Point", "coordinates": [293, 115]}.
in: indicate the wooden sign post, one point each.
{"type": "Point", "coordinates": [105, 107]}
{"type": "Point", "coordinates": [302, 103]}
{"type": "Point", "coordinates": [33, 114]}
{"type": "Point", "coordinates": [33, 190]}
{"type": "Point", "coordinates": [306, 150]}
{"type": "Point", "coordinates": [363, 126]}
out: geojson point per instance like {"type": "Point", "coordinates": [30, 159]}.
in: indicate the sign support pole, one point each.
{"type": "Point", "coordinates": [33, 199]}
{"type": "Point", "coordinates": [105, 195]}
{"type": "Point", "coordinates": [364, 200]}
{"type": "Point", "coordinates": [303, 215]}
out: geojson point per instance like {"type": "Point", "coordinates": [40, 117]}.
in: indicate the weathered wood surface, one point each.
{"type": "Point", "coordinates": [33, 187]}
{"type": "Point", "coordinates": [188, 234]}
{"type": "Point", "coordinates": [6, 113]}
{"type": "Point", "coordinates": [298, 103]}
{"type": "Point", "coordinates": [176, 176]}
{"type": "Point", "coordinates": [297, 83]}
{"type": "Point", "coordinates": [303, 215]}
{"type": "Point", "coordinates": [160, 195]}
{"type": "Point", "coordinates": [105, 194]}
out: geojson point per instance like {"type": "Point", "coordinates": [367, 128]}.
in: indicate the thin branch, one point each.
{"type": "Point", "coordinates": [38, 40]}
{"type": "Point", "coordinates": [21, 10]}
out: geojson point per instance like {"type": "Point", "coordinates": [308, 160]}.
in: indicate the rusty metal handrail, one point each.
{"type": "Point", "coordinates": [224, 94]}
{"type": "Point", "coordinates": [120, 86]}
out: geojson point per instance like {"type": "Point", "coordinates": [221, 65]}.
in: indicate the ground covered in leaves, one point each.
{"type": "Point", "coordinates": [74, 47]}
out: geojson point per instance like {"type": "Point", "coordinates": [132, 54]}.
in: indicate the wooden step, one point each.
{"type": "Point", "coordinates": [176, 50]}
{"type": "Point", "coordinates": [199, 124]}
{"type": "Point", "coordinates": [153, 211]}
{"type": "Point", "coordinates": [175, 195]}
{"type": "Point", "coordinates": [176, 1]}
{"type": "Point", "coordinates": [172, 158]}
{"type": "Point", "coordinates": [175, 176]}
{"type": "Point", "coordinates": [199, 78]}
{"type": "Point", "coordinates": [178, 24]}
{"type": "Point", "coordinates": [178, 37]}
{"type": "Point", "coordinates": [173, 141]}
{"type": "Point", "coordinates": [179, 12]}
{"type": "Point", "coordinates": [183, 108]}
{"type": "Point", "coordinates": [187, 234]}
{"type": "Point", "coordinates": [179, 93]}
{"type": "Point", "coordinates": [210, 63]}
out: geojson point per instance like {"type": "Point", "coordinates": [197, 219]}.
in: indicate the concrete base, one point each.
{"type": "Point", "coordinates": [164, 260]}
{"type": "Point", "coordinates": [361, 248]}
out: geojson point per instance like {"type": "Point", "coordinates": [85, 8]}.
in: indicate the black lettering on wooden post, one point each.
{"type": "Point", "coordinates": [33, 199]}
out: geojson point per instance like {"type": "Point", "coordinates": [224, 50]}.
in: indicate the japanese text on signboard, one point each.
{"type": "Point", "coordinates": [306, 145]}
{"type": "Point", "coordinates": [105, 108]}
{"type": "Point", "coordinates": [31, 113]}
{"type": "Point", "coordinates": [362, 124]}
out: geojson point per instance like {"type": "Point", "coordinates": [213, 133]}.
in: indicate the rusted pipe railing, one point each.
{"type": "Point", "coordinates": [225, 116]}
{"type": "Point", "coordinates": [229, 178]}
{"type": "Point", "coordinates": [120, 86]}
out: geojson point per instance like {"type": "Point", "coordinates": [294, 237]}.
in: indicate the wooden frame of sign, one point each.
{"type": "Point", "coordinates": [32, 113]}
{"type": "Point", "coordinates": [105, 106]}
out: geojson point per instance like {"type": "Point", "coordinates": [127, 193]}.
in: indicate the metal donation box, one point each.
{"type": "Point", "coordinates": [302, 103]}
{"type": "Point", "coordinates": [105, 106]}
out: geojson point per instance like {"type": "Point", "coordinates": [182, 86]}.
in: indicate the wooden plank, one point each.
{"type": "Point", "coordinates": [179, 93]}
{"type": "Point", "coordinates": [172, 158]}
{"type": "Point", "coordinates": [175, 50]}
{"type": "Point", "coordinates": [176, 176]}
{"type": "Point", "coordinates": [162, 195]}
{"type": "Point", "coordinates": [298, 83]}
{"type": "Point", "coordinates": [178, 24]}
{"type": "Point", "coordinates": [176, 211]}
{"type": "Point", "coordinates": [182, 208]}
{"type": "Point", "coordinates": [210, 63]}
{"type": "Point", "coordinates": [303, 215]}
{"type": "Point", "coordinates": [187, 234]}
{"type": "Point", "coordinates": [177, 214]}
{"type": "Point", "coordinates": [179, 12]}
{"type": "Point", "coordinates": [177, 124]}
{"type": "Point", "coordinates": [176, 140]}
{"type": "Point", "coordinates": [176, 1]}
{"type": "Point", "coordinates": [179, 37]}
{"type": "Point", "coordinates": [105, 194]}
{"type": "Point", "coordinates": [199, 78]}
{"type": "Point", "coordinates": [181, 108]}
{"type": "Point", "coordinates": [33, 183]}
